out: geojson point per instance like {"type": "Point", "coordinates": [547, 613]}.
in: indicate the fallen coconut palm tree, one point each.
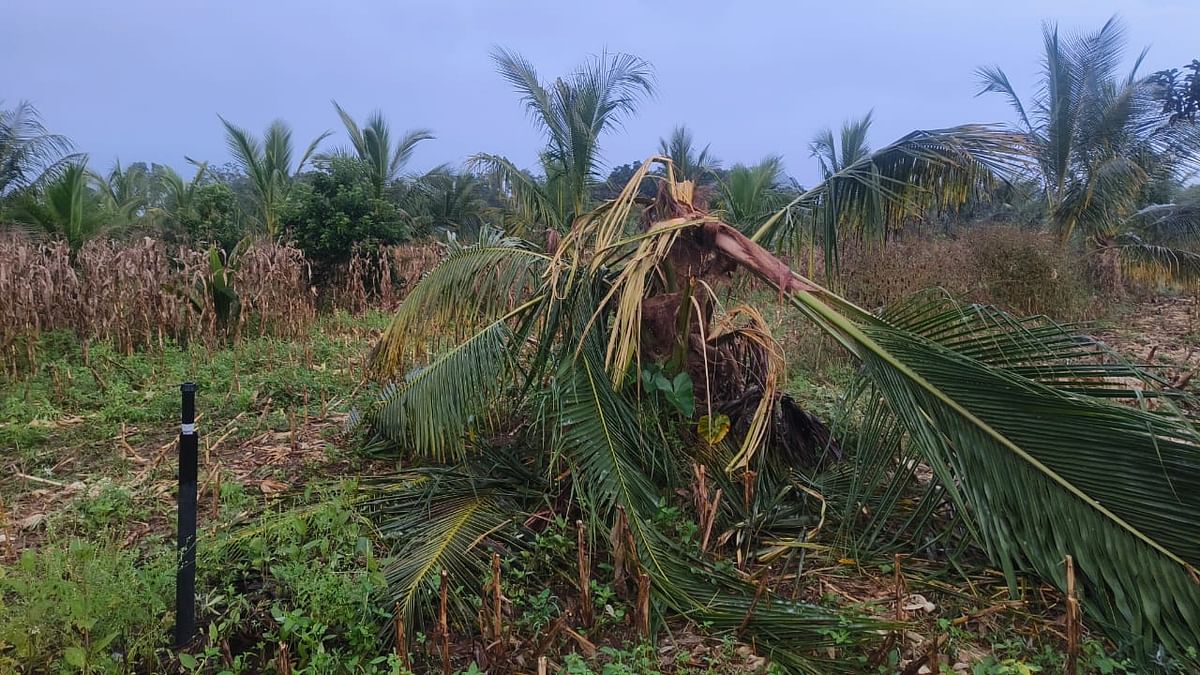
{"type": "Point", "coordinates": [595, 375]}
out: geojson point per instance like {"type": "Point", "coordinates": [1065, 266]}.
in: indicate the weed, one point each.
{"type": "Point", "coordinates": [85, 606]}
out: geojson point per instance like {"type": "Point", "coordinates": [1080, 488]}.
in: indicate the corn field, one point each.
{"type": "Point", "coordinates": [143, 293]}
{"type": "Point", "coordinates": [381, 276]}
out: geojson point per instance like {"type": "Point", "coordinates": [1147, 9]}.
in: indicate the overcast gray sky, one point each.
{"type": "Point", "coordinates": [145, 79]}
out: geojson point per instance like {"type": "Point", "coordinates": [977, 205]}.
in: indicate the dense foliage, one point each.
{"type": "Point", "coordinates": [336, 209]}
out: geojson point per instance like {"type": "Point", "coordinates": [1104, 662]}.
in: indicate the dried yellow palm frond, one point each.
{"type": "Point", "coordinates": [745, 322]}
{"type": "Point", "coordinates": [630, 289]}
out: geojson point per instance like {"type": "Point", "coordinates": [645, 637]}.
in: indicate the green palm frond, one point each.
{"type": "Point", "coordinates": [752, 193]}
{"type": "Point", "coordinates": [602, 440]}
{"type": "Point", "coordinates": [372, 144]}
{"type": "Point", "coordinates": [1034, 347]}
{"type": "Point", "coordinates": [853, 147]}
{"type": "Point", "coordinates": [68, 207]}
{"type": "Point", "coordinates": [573, 112]}
{"type": "Point", "coordinates": [882, 502]}
{"type": "Point", "coordinates": [689, 163]}
{"type": "Point", "coordinates": [1098, 137]}
{"type": "Point", "coordinates": [433, 409]}
{"type": "Point", "coordinates": [473, 286]}
{"type": "Point", "coordinates": [268, 164]}
{"type": "Point", "coordinates": [993, 80]}
{"type": "Point", "coordinates": [534, 206]}
{"type": "Point", "coordinates": [30, 155]}
{"type": "Point", "coordinates": [601, 436]}
{"type": "Point", "coordinates": [1169, 222]}
{"type": "Point", "coordinates": [1048, 472]}
{"type": "Point", "coordinates": [924, 171]}
{"type": "Point", "coordinates": [438, 519]}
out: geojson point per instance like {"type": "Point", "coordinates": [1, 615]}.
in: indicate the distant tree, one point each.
{"type": "Point", "coordinates": [752, 193]}
{"type": "Point", "coordinates": [833, 157]}
{"type": "Point", "coordinates": [449, 200]}
{"type": "Point", "coordinates": [372, 144]}
{"type": "Point", "coordinates": [214, 217]}
{"type": "Point", "coordinates": [573, 112]}
{"type": "Point", "coordinates": [335, 210]}
{"type": "Point", "coordinates": [68, 207]}
{"type": "Point", "coordinates": [198, 211]}
{"type": "Point", "coordinates": [268, 166]}
{"type": "Point", "coordinates": [1180, 97]}
{"type": "Point", "coordinates": [618, 178]}
{"type": "Point", "coordinates": [29, 154]}
{"type": "Point", "coordinates": [126, 192]}
{"type": "Point", "coordinates": [688, 163]}
{"type": "Point", "coordinates": [1100, 141]}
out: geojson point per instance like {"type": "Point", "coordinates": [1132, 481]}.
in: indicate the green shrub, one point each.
{"type": "Point", "coordinates": [323, 582]}
{"type": "Point", "coordinates": [335, 211]}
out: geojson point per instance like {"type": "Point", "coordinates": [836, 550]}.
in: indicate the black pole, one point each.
{"type": "Point", "coordinates": [185, 577]}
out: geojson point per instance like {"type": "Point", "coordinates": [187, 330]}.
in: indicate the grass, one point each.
{"type": "Point", "coordinates": [87, 579]}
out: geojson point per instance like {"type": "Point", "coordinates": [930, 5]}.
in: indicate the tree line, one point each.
{"type": "Point", "coordinates": [1104, 160]}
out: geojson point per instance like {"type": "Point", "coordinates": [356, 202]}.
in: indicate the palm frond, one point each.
{"type": "Point", "coordinates": [880, 500]}
{"type": "Point", "coordinates": [473, 286]}
{"type": "Point", "coordinates": [523, 77]}
{"type": "Point", "coordinates": [573, 111]}
{"type": "Point", "coordinates": [29, 153]}
{"type": "Point", "coordinates": [600, 436]}
{"type": "Point", "coordinates": [1156, 263]}
{"type": "Point", "coordinates": [923, 171]}
{"type": "Point", "coordinates": [993, 80]}
{"type": "Point", "coordinates": [309, 152]}
{"type": "Point", "coordinates": [434, 408]}
{"type": "Point", "coordinates": [405, 148]}
{"type": "Point", "coordinates": [529, 197]}
{"type": "Point", "coordinates": [1048, 473]}
{"type": "Point", "coordinates": [437, 519]}
{"type": "Point", "coordinates": [689, 163]}
{"type": "Point", "coordinates": [751, 193]}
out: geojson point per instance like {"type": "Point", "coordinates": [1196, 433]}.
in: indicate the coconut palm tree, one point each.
{"type": "Point", "coordinates": [126, 192]}
{"type": "Point", "coordinates": [178, 195]}
{"type": "Point", "coordinates": [573, 112]}
{"type": "Point", "coordinates": [69, 207]}
{"type": "Point", "coordinates": [690, 164]}
{"type": "Point", "coordinates": [525, 378]}
{"type": "Point", "coordinates": [372, 144]}
{"type": "Point", "coordinates": [920, 173]}
{"type": "Point", "coordinates": [750, 194]}
{"type": "Point", "coordinates": [443, 198]}
{"type": "Point", "coordinates": [1097, 139]}
{"type": "Point", "coordinates": [268, 165]}
{"type": "Point", "coordinates": [854, 147]}
{"type": "Point", "coordinates": [28, 152]}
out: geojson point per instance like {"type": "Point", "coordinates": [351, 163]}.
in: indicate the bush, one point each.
{"type": "Point", "coordinates": [1026, 273]}
{"type": "Point", "coordinates": [1017, 270]}
{"type": "Point", "coordinates": [335, 211]}
{"type": "Point", "coordinates": [214, 217]}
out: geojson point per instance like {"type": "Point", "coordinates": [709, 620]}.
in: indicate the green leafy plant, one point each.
{"type": "Point", "coordinates": [678, 390]}
{"type": "Point", "coordinates": [84, 607]}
